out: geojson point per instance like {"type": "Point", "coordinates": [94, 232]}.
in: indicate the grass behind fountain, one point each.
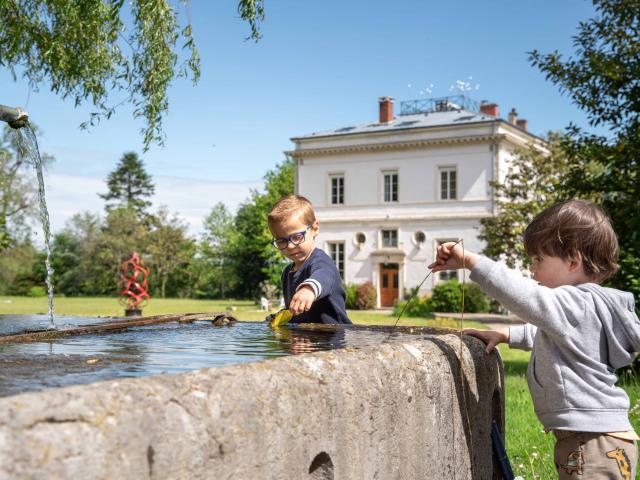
{"type": "Point", "coordinates": [244, 309]}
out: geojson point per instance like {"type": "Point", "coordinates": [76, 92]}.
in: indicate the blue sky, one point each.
{"type": "Point", "coordinates": [319, 65]}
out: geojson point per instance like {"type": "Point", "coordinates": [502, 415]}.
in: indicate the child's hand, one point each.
{"type": "Point", "coordinates": [490, 337]}
{"type": "Point", "coordinates": [302, 300]}
{"type": "Point", "coordinates": [450, 256]}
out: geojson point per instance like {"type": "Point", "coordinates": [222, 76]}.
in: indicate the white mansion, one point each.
{"type": "Point", "coordinates": [386, 193]}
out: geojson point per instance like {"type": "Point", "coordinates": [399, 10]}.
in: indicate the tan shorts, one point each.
{"type": "Point", "coordinates": [584, 455]}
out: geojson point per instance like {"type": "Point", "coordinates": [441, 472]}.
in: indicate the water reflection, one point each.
{"type": "Point", "coordinates": [298, 341]}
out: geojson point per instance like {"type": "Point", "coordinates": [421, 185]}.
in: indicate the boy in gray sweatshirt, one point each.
{"type": "Point", "coordinates": [579, 333]}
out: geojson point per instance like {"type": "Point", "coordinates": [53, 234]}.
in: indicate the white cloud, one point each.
{"type": "Point", "coordinates": [193, 199]}
{"type": "Point", "coordinates": [190, 199]}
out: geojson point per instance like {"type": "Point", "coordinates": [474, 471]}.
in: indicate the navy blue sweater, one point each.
{"type": "Point", "coordinates": [321, 274]}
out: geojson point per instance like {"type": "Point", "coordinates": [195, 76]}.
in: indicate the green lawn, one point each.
{"type": "Point", "coordinates": [530, 449]}
{"type": "Point", "coordinates": [241, 309]}
{"type": "Point", "coordinates": [105, 306]}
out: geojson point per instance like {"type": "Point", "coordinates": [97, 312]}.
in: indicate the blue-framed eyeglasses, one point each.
{"type": "Point", "coordinates": [296, 238]}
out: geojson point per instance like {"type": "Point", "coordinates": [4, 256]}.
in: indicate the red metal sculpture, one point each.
{"type": "Point", "coordinates": [133, 284]}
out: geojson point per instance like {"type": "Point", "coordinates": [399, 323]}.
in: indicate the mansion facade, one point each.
{"type": "Point", "coordinates": [387, 193]}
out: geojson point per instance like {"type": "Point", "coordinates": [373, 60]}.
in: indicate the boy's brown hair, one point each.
{"type": "Point", "coordinates": [292, 206]}
{"type": "Point", "coordinates": [575, 228]}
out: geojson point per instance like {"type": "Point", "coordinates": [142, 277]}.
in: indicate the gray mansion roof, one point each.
{"type": "Point", "coordinates": [403, 122]}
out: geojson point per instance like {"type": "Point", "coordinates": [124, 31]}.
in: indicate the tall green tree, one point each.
{"type": "Point", "coordinates": [18, 188]}
{"type": "Point", "coordinates": [71, 252]}
{"type": "Point", "coordinates": [121, 233]}
{"type": "Point", "coordinates": [18, 269]}
{"type": "Point", "coordinates": [601, 78]}
{"type": "Point", "coordinates": [98, 50]}
{"type": "Point", "coordinates": [214, 272]}
{"type": "Point", "coordinates": [532, 183]}
{"type": "Point", "coordinates": [256, 262]}
{"type": "Point", "coordinates": [66, 258]}
{"type": "Point", "coordinates": [168, 249]}
{"type": "Point", "coordinates": [130, 186]}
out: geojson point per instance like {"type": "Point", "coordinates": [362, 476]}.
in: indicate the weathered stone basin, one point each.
{"type": "Point", "coordinates": [401, 409]}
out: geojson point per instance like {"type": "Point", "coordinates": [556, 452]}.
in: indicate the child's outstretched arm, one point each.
{"type": "Point", "coordinates": [555, 310]}
{"type": "Point", "coordinates": [490, 337]}
{"type": "Point", "coordinates": [451, 256]}
{"type": "Point", "coordinates": [321, 282]}
{"type": "Point", "coordinates": [302, 300]}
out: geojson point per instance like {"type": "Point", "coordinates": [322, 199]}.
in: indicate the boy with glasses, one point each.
{"type": "Point", "coordinates": [311, 284]}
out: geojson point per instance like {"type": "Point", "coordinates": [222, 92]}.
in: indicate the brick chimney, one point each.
{"type": "Point", "coordinates": [489, 108]}
{"type": "Point", "coordinates": [513, 116]}
{"type": "Point", "coordinates": [523, 124]}
{"type": "Point", "coordinates": [386, 109]}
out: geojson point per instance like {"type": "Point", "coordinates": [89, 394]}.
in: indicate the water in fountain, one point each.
{"type": "Point", "coordinates": [157, 349]}
{"type": "Point", "coordinates": [28, 147]}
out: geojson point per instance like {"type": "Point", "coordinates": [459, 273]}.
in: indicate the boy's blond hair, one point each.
{"type": "Point", "coordinates": [575, 228]}
{"type": "Point", "coordinates": [292, 206]}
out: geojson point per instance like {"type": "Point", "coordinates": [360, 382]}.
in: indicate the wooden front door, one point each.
{"type": "Point", "coordinates": [389, 281]}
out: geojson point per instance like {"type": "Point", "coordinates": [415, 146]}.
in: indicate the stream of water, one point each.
{"type": "Point", "coordinates": [28, 148]}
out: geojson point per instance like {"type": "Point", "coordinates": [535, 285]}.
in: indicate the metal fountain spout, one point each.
{"type": "Point", "coordinates": [15, 117]}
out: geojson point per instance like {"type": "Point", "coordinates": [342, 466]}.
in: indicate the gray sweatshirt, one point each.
{"type": "Point", "coordinates": [579, 335]}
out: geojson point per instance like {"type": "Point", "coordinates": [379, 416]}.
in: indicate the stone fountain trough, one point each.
{"type": "Point", "coordinates": [414, 403]}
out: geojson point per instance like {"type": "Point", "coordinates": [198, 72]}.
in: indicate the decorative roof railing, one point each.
{"type": "Point", "coordinates": [440, 104]}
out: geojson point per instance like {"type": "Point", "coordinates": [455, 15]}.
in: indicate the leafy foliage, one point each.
{"type": "Point", "coordinates": [602, 80]}
{"type": "Point", "coordinates": [350, 292]}
{"type": "Point", "coordinates": [366, 296]}
{"type": "Point", "coordinates": [121, 234]}
{"type": "Point", "coordinates": [87, 254]}
{"type": "Point", "coordinates": [233, 257]}
{"type": "Point", "coordinates": [95, 50]}
{"type": "Point", "coordinates": [169, 250]}
{"type": "Point", "coordinates": [446, 297]}
{"type": "Point", "coordinates": [254, 259]}
{"type": "Point", "coordinates": [71, 256]}
{"type": "Point", "coordinates": [418, 307]}
{"type": "Point", "coordinates": [212, 272]}
{"type": "Point", "coordinates": [360, 296]}
{"type": "Point", "coordinates": [66, 259]}
{"type": "Point", "coordinates": [17, 269]}
{"type": "Point", "coordinates": [475, 301]}
{"type": "Point", "coordinates": [532, 183]}
{"type": "Point", "coordinates": [37, 291]}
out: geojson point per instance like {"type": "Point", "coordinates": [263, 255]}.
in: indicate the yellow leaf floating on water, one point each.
{"type": "Point", "coordinates": [282, 317]}
{"type": "Point", "coordinates": [91, 361]}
